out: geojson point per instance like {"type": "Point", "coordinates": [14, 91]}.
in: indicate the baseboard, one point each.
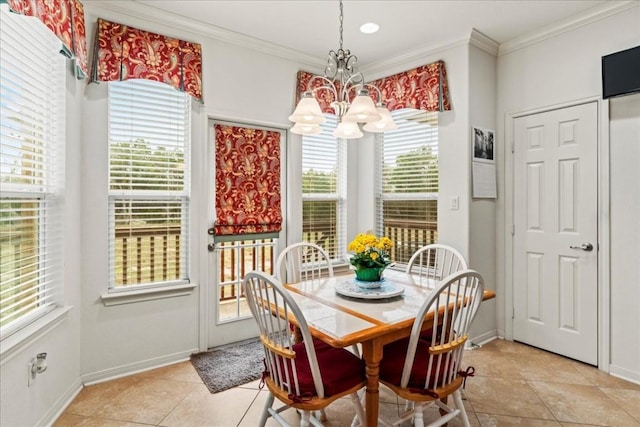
{"type": "Point", "coordinates": [481, 340]}
{"type": "Point", "coordinates": [134, 368]}
{"type": "Point", "coordinates": [61, 404]}
{"type": "Point", "coordinates": [624, 374]}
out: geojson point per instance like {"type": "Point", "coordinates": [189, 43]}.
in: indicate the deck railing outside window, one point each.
{"type": "Point", "coordinates": [147, 254]}
{"type": "Point", "coordinates": [152, 254]}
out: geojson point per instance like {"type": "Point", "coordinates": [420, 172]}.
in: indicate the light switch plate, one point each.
{"type": "Point", "coordinates": [453, 203]}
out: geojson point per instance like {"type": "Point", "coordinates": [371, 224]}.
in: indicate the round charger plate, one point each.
{"type": "Point", "coordinates": [387, 289]}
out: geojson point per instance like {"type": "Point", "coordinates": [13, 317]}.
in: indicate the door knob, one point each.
{"type": "Point", "coordinates": [587, 247]}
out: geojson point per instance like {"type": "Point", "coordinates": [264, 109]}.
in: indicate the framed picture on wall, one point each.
{"type": "Point", "coordinates": [483, 142]}
{"type": "Point", "coordinates": [483, 165]}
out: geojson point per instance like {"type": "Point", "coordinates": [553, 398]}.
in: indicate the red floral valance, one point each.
{"type": "Point", "coordinates": [247, 181]}
{"type": "Point", "coordinates": [65, 18]}
{"type": "Point", "coordinates": [124, 52]}
{"type": "Point", "coordinates": [423, 88]}
{"type": "Point", "coordinates": [324, 96]}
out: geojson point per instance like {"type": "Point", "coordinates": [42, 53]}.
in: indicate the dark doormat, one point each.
{"type": "Point", "coordinates": [231, 365]}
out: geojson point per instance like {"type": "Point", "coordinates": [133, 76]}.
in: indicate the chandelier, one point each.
{"type": "Point", "coordinates": [343, 80]}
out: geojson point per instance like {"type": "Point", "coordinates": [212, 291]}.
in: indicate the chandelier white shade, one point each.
{"type": "Point", "coordinates": [308, 111]}
{"type": "Point", "coordinates": [347, 130]}
{"type": "Point", "coordinates": [384, 124]}
{"type": "Point", "coordinates": [306, 129]}
{"type": "Point", "coordinates": [351, 103]}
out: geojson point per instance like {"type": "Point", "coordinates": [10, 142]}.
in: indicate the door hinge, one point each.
{"type": "Point", "coordinates": [513, 147]}
{"type": "Point", "coordinates": [513, 312]}
{"type": "Point", "coordinates": [513, 229]}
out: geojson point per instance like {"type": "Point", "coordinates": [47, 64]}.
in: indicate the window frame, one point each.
{"type": "Point", "coordinates": [399, 117]}
{"type": "Point", "coordinates": [339, 196]}
{"type": "Point", "coordinates": [133, 292]}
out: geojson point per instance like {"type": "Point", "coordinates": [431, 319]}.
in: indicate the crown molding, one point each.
{"type": "Point", "coordinates": [409, 59]}
{"type": "Point", "coordinates": [381, 69]}
{"type": "Point", "coordinates": [597, 13]}
{"type": "Point", "coordinates": [144, 12]}
{"type": "Point", "coordinates": [483, 42]}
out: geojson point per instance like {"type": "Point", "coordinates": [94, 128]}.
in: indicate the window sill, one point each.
{"type": "Point", "coordinates": [30, 333]}
{"type": "Point", "coordinates": [128, 297]}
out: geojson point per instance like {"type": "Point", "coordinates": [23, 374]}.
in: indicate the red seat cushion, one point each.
{"type": "Point", "coordinates": [392, 365]}
{"type": "Point", "coordinates": [339, 368]}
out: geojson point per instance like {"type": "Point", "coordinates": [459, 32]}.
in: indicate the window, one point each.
{"type": "Point", "coordinates": [32, 114]}
{"type": "Point", "coordinates": [407, 201]}
{"type": "Point", "coordinates": [149, 139]}
{"type": "Point", "coordinates": [323, 190]}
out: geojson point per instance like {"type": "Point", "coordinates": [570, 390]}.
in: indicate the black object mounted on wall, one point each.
{"type": "Point", "coordinates": [621, 73]}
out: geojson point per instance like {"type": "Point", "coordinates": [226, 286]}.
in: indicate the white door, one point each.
{"type": "Point", "coordinates": [555, 283]}
{"type": "Point", "coordinates": [228, 315]}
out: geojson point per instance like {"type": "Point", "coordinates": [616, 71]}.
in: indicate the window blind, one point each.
{"type": "Point", "coordinates": [149, 164]}
{"type": "Point", "coordinates": [31, 170]}
{"type": "Point", "coordinates": [324, 189]}
{"type": "Point", "coordinates": [407, 202]}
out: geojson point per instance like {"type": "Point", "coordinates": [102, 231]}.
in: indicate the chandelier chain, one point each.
{"type": "Point", "coordinates": [341, 20]}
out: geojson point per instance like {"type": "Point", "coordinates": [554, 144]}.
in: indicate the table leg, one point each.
{"type": "Point", "coordinates": [372, 354]}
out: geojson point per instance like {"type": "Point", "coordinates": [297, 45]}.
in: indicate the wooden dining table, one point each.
{"type": "Point", "coordinates": [342, 320]}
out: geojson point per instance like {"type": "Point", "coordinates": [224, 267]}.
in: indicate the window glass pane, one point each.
{"type": "Point", "coordinates": [323, 190]}
{"type": "Point", "coordinates": [235, 259]}
{"type": "Point", "coordinates": [149, 153]}
{"type": "Point", "coordinates": [148, 241]}
{"type": "Point", "coordinates": [408, 182]}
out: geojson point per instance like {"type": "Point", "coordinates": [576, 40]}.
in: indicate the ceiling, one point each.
{"type": "Point", "coordinates": [311, 27]}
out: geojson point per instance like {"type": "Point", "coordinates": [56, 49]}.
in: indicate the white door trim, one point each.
{"type": "Point", "coordinates": [603, 221]}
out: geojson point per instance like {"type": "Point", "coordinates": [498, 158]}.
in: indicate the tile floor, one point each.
{"type": "Point", "coordinates": [514, 385]}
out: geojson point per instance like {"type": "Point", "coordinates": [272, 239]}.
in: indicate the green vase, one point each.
{"type": "Point", "coordinates": [369, 274]}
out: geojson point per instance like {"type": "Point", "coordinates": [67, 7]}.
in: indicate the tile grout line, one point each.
{"type": "Point", "coordinates": [249, 407]}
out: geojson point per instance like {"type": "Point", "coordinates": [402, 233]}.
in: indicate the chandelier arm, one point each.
{"type": "Point", "coordinates": [327, 84]}
{"type": "Point", "coordinates": [353, 82]}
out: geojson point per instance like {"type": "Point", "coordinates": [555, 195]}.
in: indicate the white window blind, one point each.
{"type": "Point", "coordinates": [407, 202]}
{"type": "Point", "coordinates": [149, 164]}
{"type": "Point", "coordinates": [323, 190]}
{"type": "Point", "coordinates": [31, 170]}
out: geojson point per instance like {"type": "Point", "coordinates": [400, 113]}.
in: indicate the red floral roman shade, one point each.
{"type": "Point", "coordinates": [247, 181]}
{"type": "Point", "coordinates": [423, 88]}
{"type": "Point", "coordinates": [324, 96]}
{"type": "Point", "coordinates": [65, 18]}
{"type": "Point", "coordinates": [124, 52]}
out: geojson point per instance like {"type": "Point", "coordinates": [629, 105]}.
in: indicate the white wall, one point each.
{"type": "Point", "coordinates": [624, 134]}
{"type": "Point", "coordinates": [565, 67]}
{"type": "Point", "coordinates": [238, 84]}
{"type": "Point", "coordinates": [482, 212]}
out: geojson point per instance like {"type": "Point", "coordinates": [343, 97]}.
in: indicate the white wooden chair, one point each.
{"type": "Point", "coordinates": [434, 262]}
{"type": "Point", "coordinates": [426, 372]}
{"type": "Point", "coordinates": [308, 375]}
{"type": "Point", "coordinates": [303, 261]}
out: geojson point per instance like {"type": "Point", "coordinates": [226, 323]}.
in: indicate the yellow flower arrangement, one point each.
{"type": "Point", "coordinates": [370, 252]}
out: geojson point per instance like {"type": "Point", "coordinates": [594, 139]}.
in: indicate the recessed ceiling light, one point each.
{"type": "Point", "coordinates": [369, 28]}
